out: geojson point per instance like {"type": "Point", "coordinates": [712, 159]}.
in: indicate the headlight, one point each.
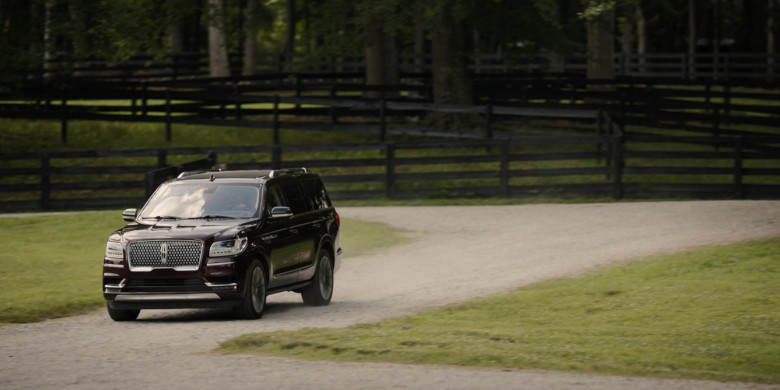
{"type": "Point", "coordinates": [228, 247]}
{"type": "Point", "coordinates": [114, 250]}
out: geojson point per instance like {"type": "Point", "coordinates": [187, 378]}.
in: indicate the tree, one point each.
{"type": "Point", "coordinates": [250, 38]}
{"type": "Point", "coordinates": [600, 19]}
{"type": "Point", "coordinates": [450, 49]}
{"type": "Point", "coordinates": [218, 54]}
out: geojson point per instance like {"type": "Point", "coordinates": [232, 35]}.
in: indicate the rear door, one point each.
{"type": "Point", "coordinates": [305, 221]}
{"type": "Point", "coordinates": [281, 237]}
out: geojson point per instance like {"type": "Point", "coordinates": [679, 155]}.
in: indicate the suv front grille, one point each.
{"type": "Point", "coordinates": [165, 254]}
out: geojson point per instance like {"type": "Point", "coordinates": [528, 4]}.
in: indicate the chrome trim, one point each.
{"type": "Point", "coordinates": [167, 297]}
{"type": "Point", "coordinates": [233, 286]}
{"type": "Point", "coordinates": [150, 269]}
{"type": "Point", "coordinates": [113, 265]}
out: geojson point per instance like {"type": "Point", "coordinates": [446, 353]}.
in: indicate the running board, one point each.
{"type": "Point", "coordinates": [289, 287]}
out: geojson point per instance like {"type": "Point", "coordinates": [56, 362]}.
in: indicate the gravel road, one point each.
{"type": "Point", "coordinates": [459, 253]}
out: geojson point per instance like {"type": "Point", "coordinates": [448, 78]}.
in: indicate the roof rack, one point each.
{"type": "Point", "coordinates": [188, 173]}
{"type": "Point", "coordinates": [290, 171]}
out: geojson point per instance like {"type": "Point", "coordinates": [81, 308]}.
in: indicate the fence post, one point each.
{"type": "Point", "coordinates": [64, 117]}
{"type": "Point", "coordinates": [276, 120]}
{"type": "Point", "coordinates": [489, 120]}
{"type": "Point", "coordinates": [390, 171]}
{"type": "Point", "coordinates": [175, 65]}
{"type": "Point", "coordinates": [739, 188]}
{"type": "Point", "coordinates": [237, 94]}
{"type": "Point", "coordinates": [45, 181]}
{"type": "Point", "coordinates": [162, 157]}
{"type": "Point", "coordinates": [144, 98]}
{"type": "Point", "coordinates": [276, 157]}
{"type": "Point", "coordinates": [297, 89]}
{"type": "Point", "coordinates": [382, 121]}
{"type": "Point", "coordinates": [150, 183]}
{"type": "Point", "coordinates": [617, 167]}
{"type": "Point", "coordinates": [333, 115]}
{"type": "Point", "coordinates": [168, 114]}
{"type": "Point", "coordinates": [505, 150]}
{"type": "Point", "coordinates": [222, 97]}
{"type": "Point", "coordinates": [727, 102]}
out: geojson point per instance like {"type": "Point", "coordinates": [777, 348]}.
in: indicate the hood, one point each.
{"type": "Point", "coordinates": [204, 230]}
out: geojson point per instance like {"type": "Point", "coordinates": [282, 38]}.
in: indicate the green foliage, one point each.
{"type": "Point", "coordinates": [705, 314]}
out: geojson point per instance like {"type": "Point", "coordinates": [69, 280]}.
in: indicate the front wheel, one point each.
{"type": "Point", "coordinates": [319, 292]}
{"type": "Point", "coordinates": [254, 300]}
{"type": "Point", "coordinates": [122, 315]}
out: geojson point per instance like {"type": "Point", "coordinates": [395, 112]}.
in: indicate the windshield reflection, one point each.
{"type": "Point", "coordinates": [203, 200]}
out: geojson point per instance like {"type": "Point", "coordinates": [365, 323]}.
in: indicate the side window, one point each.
{"type": "Point", "coordinates": [275, 198]}
{"type": "Point", "coordinates": [315, 193]}
{"type": "Point", "coordinates": [295, 198]}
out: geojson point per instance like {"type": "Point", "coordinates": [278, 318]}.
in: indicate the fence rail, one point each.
{"type": "Point", "coordinates": [616, 166]}
{"type": "Point", "coordinates": [723, 66]}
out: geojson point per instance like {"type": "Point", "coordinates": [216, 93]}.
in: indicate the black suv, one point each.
{"type": "Point", "coordinates": [224, 239]}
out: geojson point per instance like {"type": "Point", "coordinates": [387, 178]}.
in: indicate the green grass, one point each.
{"type": "Point", "coordinates": [712, 313]}
{"type": "Point", "coordinates": [50, 266]}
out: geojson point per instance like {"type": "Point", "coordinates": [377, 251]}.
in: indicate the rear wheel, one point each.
{"type": "Point", "coordinates": [319, 292]}
{"type": "Point", "coordinates": [254, 301]}
{"type": "Point", "coordinates": [122, 315]}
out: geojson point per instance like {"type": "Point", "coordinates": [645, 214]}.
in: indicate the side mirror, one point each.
{"type": "Point", "coordinates": [129, 214]}
{"type": "Point", "coordinates": [281, 212]}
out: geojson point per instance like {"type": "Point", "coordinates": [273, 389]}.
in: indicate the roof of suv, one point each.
{"type": "Point", "coordinates": [245, 174]}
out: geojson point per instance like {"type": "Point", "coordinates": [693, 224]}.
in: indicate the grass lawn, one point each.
{"type": "Point", "coordinates": [712, 313]}
{"type": "Point", "coordinates": [50, 266]}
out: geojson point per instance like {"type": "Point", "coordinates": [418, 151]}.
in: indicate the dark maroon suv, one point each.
{"type": "Point", "coordinates": [224, 239]}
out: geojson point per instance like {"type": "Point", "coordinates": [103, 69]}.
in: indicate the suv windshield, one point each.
{"type": "Point", "coordinates": [203, 200]}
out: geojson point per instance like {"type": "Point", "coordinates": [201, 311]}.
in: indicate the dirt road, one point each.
{"type": "Point", "coordinates": [460, 253]}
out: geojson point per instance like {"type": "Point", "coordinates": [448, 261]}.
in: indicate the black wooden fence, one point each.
{"type": "Point", "coordinates": [723, 66]}
{"type": "Point", "coordinates": [708, 107]}
{"type": "Point", "coordinates": [617, 166]}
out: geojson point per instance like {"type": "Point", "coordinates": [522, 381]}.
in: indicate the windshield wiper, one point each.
{"type": "Point", "coordinates": [159, 217]}
{"type": "Point", "coordinates": [213, 217]}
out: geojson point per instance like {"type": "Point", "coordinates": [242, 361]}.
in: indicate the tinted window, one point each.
{"type": "Point", "coordinates": [316, 194]}
{"type": "Point", "coordinates": [292, 193]}
{"type": "Point", "coordinates": [275, 198]}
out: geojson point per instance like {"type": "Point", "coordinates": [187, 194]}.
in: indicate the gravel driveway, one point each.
{"type": "Point", "coordinates": [460, 253]}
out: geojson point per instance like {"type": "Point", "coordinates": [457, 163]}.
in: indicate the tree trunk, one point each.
{"type": "Point", "coordinates": [48, 45]}
{"type": "Point", "coordinates": [381, 59]}
{"type": "Point", "coordinates": [250, 39]}
{"type": "Point", "coordinates": [451, 81]}
{"type": "Point", "coordinates": [641, 35]}
{"type": "Point", "coordinates": [219, 66]}
{"type": "Point", "coordinates": [175, 37]}
{"type": "Point", "coordinates": [626, 45]}
{"type": "Point", "coordinates": [289, 45]}
{"type": "Point", "coordinates": [601, 51]}
{"type": "Point", "coordinates": [770, 38]}
{"type": "Point", "coordinates": [419, 38]}
{"type": "Point", "coordinates": [691, 39]}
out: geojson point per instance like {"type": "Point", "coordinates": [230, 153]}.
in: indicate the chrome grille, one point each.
{"type": "Point", "coordinates": [165, 254]}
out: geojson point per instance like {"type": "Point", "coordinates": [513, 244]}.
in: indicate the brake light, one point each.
{"type": "Point", "coordinates": [338, 220]}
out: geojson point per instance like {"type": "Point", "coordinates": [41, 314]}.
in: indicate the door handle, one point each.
{"type": "Point", "coordinates": [294, 231]}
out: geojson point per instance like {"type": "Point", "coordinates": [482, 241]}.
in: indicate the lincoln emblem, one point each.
{"type": "Point", "coordinates": [163, 252]}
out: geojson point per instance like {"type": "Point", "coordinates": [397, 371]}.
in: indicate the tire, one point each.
{"type": "Point", "coordinates": [319, 292]}
{"type": "Point", "coordinates": [122, 315]}
{"type": "Point", "coordinates": [254, 301]}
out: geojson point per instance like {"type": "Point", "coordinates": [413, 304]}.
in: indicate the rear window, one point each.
{"type": "Point", "coordinates": [316, 195]}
